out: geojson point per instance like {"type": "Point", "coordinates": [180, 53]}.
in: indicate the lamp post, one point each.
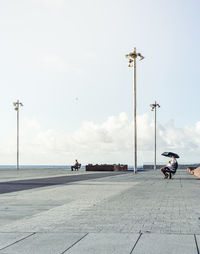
{"type": "Point", "coordinates": [132, 59]}
{"type": "Point", "coordinates": [153, 108]}
{"type": "Point", "coordinates": [17, 104]}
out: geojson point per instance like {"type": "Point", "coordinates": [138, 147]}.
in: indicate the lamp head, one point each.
{"type": "Point", "coordinates": [17, 104]}
{"type": "Point", "coordinates": [130, 63]}
{"type": "Point", "coordinates": [152, 107]}
{"type": "Point", "coordinates": [141, 57]}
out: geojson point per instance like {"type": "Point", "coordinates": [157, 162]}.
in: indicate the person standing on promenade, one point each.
{"type": "Point", "coordinates": [171, 167]}
{"type": "Point", "coordinates": [75, 166]}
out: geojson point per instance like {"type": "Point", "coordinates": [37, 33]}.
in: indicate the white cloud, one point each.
{"type": "Point", "coordinates": [108, 142]}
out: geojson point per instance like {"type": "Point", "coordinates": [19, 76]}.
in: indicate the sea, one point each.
{"type": "Point", "coordinates": [38, 167]}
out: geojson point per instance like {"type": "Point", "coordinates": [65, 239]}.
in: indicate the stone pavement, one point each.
{"type": "Point", "coordinates": [126, 213]}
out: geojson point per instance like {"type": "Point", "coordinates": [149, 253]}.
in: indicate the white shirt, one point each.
{"type": "Point", "coordinates": [173, 164]}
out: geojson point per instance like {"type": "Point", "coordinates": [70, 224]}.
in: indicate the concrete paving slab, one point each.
{"type": "Point", "coordinates": [100, 243]}
{"type": "Point", "coordinates": [165, 244]}
{"type": "Point", "coordinates": [44, 243]}
{"type": "Point", "coordinates": [7, 239]}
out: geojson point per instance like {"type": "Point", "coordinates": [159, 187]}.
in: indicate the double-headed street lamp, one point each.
{"type": "Point", "coordinates": [153, 108]}
{"type": "Point", "coordinates": [17, 104]}
{"type": "Point", "coordinates": [132, 59]}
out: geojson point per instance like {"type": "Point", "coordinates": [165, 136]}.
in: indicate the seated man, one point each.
{"type": "Point", "coordinates": [170, 168]}
{"type": "Point", "coordinates": [75, 166]}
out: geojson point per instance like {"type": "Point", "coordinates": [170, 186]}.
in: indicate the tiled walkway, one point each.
{"type": "Point", "coordinates": [127, 213]}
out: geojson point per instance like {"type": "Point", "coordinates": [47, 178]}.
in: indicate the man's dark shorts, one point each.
{"type": "Point", "coordinates": [168, 170]}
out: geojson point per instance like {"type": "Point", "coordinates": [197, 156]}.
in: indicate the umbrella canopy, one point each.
{"type": "Point", "coordinates": [170, 154]}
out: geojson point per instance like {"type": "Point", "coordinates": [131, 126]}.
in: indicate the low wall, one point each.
{"type": "Point", "coordinates": [150, 166]}
{"type": "Point", "coordinates": [106, 167]}
{"type": "Point", "coordinates": [180, 166]}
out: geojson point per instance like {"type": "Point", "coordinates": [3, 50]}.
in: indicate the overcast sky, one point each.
{"type": "Point", "coordinates": [65, 60]}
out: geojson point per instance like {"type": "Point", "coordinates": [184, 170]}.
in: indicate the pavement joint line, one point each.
{"type": "Point", "coordinates": [196, 243]}
{"type": "Point", "coordinates": [17, 241]}
{"type": "Point", "coordinates": [136, 243]}
{"type": "Point", "coordinates": [74, 243]}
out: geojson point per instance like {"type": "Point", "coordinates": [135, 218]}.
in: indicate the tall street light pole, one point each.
{"type": "Point", "coordinates": [17, 104]}
{"type": "Point", "coordinates": [153, 108]}
{"type": "Point", "coordinates": [132, 59]}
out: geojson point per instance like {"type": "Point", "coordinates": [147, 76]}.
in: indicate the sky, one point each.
{"type": "Point", "coordinates": [65, 61]}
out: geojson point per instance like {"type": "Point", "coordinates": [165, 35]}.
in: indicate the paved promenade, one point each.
{"type": "Point", "coordinates": [123, 213]}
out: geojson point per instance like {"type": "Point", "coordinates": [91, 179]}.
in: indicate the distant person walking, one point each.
{"type": "Point", "coordinates": [170, 168]}
{"type": "Point", "coordinates": [76, 166]}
